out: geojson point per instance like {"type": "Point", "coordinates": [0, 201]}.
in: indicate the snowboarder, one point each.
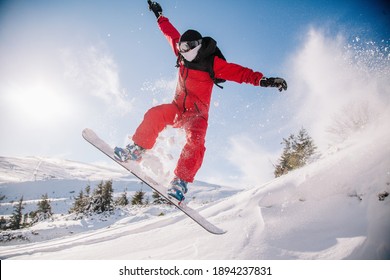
{"type": "Point", "coordinates": [201, 65]}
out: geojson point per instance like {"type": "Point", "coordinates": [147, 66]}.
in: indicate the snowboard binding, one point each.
{"type": "Point", "coordinates": [178, 188]}
{"type": "Point", "coordinates": [131, 152]}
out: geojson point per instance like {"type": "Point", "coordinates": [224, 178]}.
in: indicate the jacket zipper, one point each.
{"type": "Point", "coordinates": [185, 89]}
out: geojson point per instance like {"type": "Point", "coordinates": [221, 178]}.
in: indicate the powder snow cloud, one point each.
{"type": "Point", "coordinates": [327, 77]}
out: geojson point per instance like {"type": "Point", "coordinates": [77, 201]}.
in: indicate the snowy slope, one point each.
{"type": "Point", "coordinates": [327, 210]}
{"type": "Point", "coordinates": [41, 168]}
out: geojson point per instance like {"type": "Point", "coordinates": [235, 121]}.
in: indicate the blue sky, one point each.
{"type": "Point", "coordinates": [66, 65]}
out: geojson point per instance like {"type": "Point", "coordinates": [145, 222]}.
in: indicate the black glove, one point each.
{"type": "Point", "coordinates": [155, 8]}
{"type": "Point", "coordinates": [280, 83]}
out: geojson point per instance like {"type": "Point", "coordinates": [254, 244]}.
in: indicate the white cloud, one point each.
{"type": "Point", "coordinates": [94, 73]}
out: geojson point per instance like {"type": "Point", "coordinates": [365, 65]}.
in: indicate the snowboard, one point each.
{"type": "Point", "coordinates": [136, 170]}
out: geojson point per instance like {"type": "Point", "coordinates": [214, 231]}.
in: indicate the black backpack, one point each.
{"type": "Point", "coordinates": [205, 59]}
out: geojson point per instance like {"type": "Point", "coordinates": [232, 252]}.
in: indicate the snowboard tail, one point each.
{"type": "Point", "coordinates": [135, 169]}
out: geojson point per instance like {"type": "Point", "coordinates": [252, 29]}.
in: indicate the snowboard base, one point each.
{"type": "Point", "coordinates": [135, 169]}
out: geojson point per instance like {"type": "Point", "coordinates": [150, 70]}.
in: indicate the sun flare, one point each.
{"type": "Point", "coordinates": [39, 103]}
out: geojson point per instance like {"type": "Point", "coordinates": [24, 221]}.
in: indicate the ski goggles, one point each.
{"type": "Point", "coordinates": [186, 46]}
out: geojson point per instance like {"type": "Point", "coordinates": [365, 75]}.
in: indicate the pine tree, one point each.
{"type": "Point", "coordinates": [304, 147]}
{"type": "Point", "coordinates": [101, 200]}
{"type": "Point", "coordinates": [108, 201]}
{"type": "Point", "coordinates": [44, 206]}
{"type": "Point", "coordinates": [44, 210]}
{"type": "Point", "coordinates": [138, 198]}
{"type": "Point", "coordinates": [3, 223]}
{"type": "Point", "coordinates": [87, 190]}
{"type": "Point", "coordinates": [296, 153]}
{"type": "Point", "coordinates": [287, 158]}
{"type": "Point", "coordinates": [80, 204]}
{"type": "Point", "coordinates": [17, 216]}
{"type": "Point", "coordinates": [122, 200]}
{"type": "Point", "coordinates": [158, 199]}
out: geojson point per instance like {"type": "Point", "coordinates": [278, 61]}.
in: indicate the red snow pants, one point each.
{"type": "Point", "coordinates": [195, 126]}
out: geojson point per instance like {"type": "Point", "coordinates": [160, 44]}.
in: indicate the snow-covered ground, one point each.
{"type": "Point", "coordinates": [329, 209]}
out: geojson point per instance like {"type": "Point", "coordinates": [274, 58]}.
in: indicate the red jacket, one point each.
{"type": "Point", "coordinates": [193, 91]}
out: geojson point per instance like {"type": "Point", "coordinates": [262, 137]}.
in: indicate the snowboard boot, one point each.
{"type": "Point", "coordinates": [131, 152]}
{"type": "Point", "coordinates": [178, 188]}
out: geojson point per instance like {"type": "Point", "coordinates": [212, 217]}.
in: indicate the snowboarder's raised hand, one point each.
{"type": "Point", "coordinates": [280, 83]}
{"type": "Point", "coordinates": [155, 8]}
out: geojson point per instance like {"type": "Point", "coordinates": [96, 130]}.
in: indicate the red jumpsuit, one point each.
{"type": "Point", "coordinates": [190, 107]}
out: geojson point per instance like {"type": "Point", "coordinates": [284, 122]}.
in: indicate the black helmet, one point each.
{"type": "Point", "coordinates": [190, 35]}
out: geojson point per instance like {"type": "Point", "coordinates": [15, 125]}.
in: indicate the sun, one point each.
{"type": "Point", "coordinates": [38, 103]}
